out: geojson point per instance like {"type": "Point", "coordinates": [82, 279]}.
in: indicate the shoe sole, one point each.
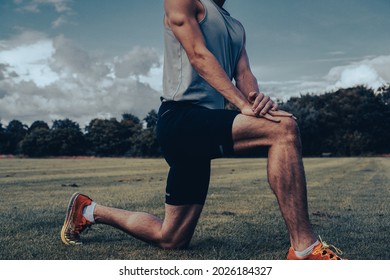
{"type": "Point", "coordinates": [69, 214]}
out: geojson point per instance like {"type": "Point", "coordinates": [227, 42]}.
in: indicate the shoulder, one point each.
{"type": "Point", "coordinates": [178, 12]}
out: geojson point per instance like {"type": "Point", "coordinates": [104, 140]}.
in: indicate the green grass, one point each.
{"type": "Point", "coordinates": [348, 201]}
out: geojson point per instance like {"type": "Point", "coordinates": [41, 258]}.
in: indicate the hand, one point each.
{"type": "Point", "coordinates": [263, 106]}
{"type": "Point", "coordinates": [261, 103]}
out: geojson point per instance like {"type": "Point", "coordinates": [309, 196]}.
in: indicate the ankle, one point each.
{"type": "Point", "coordinates": [303, 243]}
{"type": "Point", "coordinates": [307, 251]}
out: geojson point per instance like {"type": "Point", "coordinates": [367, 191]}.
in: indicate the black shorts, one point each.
{"type": "Point", "coordinates": [190, 136]}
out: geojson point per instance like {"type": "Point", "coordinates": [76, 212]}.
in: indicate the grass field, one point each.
{"type": "Point", "coordinates": [348, 201]}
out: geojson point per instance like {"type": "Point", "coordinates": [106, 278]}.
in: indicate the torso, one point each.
{"type": "Point", "coordinates": [224, 37]}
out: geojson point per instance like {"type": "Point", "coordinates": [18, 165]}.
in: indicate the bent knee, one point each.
{"type": "Point", "coordinates": [251, 133]}
{"type": "Point", "coordinates": [174, 244]}
{"type": "Point", "coordinates": [290, 125]}
{"type": "Point", "coordinates": [289, 130]}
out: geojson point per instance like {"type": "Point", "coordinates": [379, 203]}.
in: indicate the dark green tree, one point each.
{"type": "Point", "coordinates": [66, 138]}
{"type": "Point", "coordinates": [347, 122]}
{"type": "Point", "coordinates": [107, 138]}
{"type": "Point", "coordinates": [37, 142]}
{"type": "Point", "coordinates": [14, 134]}
{"type": "Point", "coordinates": [2, 138]}
{"type": "Point", "coordinates": [384, 94]}
{"type": "Point", "coordinates": [144, 143]}
{"type": "Point", "coordinates": [151, 119]}
{"type": "Point", "coordinates": [130, 126]}
{"type": "Point", "coordinates": [38, 125]}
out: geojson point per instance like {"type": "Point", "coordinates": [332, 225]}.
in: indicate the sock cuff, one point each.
{"type": "Point", "coordinates": [307, 251]}
{"type": "Point", "coordinates": [88, 212]}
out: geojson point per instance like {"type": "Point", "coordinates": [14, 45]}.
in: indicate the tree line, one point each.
{"type": "Point", "coordinates": [101, 137]}
{"type": "Point", "coordinates": [346, 122]}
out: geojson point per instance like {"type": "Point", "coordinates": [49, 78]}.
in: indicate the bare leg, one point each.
{"type": "Point", "coordinates": [286, 174]}
{"type": "Point", "coordinates": [175, 231]}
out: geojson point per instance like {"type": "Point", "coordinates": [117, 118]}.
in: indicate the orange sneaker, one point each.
{"type": "Point", "coordinates": [75, 223]}
{"type": "Point", "coordinates": [320, 252]}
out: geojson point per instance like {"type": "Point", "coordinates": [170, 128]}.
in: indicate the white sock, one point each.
{"type": "Point", "coordinates": [307, 251]}
{"type": "Point", "coordinates": [88, 212]}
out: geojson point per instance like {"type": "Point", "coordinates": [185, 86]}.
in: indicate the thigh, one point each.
{"type": "Point", "coordinates": [188, 181]}
{"type": "Point", "coordinates": [250, 132]}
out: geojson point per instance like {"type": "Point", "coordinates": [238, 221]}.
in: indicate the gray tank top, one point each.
{"type": "Point", "coordinates": [224, 37]}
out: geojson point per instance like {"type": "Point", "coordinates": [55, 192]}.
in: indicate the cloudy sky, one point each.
{"type": "Point", "coordinates": [82, 59]}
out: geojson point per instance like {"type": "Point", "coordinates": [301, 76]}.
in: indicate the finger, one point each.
{"type": "Point", "coordinates": [271, 118]}
{"type": "Point", "coordinates": [252, 96]}
{"type": "Point", "coordinates": [275, 107]}
{"type": "Point", "coordinates": [280, 113]}
{"type": "Point", "coordinates": [257, 101]}
{"type": "Point", "coordinates": [267, 107]}
{"type": "Point", "coordinates": [264, 105]}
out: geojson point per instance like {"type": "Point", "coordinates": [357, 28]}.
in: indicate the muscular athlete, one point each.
{"type": "Point", "coordinates": [206, 63]}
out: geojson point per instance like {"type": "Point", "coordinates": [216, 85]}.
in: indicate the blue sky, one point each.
{"type": "Point", "coordinates": [96, 58]}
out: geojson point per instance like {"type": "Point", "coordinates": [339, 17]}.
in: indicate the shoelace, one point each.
{"type": "Point", "coordinates": [325, 246]}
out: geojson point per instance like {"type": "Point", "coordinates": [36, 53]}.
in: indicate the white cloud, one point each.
{"type": "Point", "coordinates": [30, 62]}
{"type": "Point", "coordinates": [369, 72]}
{"type": "Point", "coordinates": [53, 78]}
{"type": "Point", "coordinates": [137, 62]}
{"type": "Point", "coordinates": [362, 74]}
{"type": "Point", "coordinates": [283, 90]}
{"type": "Point", "coordinates": [154, 77]}
{"type": "Point", "coordinates": [372, 73]}
{"type": "Point", "coordinates": [62, 7]}
{"type": "Point", "coordinates": [24, 37]}
{"type": "Point", "coordinates": [60, 21]}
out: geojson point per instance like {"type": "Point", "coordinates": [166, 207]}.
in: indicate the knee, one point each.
{"type": "Point", "coordinates": [174, 244]}
{"type": "Point", "coordinates": [289, 131]}
{"type": "Point", "coordinates": [290, 126]}
{"type": "Point", "coordinates": [174, 241]}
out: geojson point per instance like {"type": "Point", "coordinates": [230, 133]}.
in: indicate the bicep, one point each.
{"type": "Point", "coordinates": [181, 18]}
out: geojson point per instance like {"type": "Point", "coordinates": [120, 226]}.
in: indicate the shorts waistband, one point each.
{"type": "Point", "coordinates": [170, 105]}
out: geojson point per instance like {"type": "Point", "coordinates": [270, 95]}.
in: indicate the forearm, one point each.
{"type": "Point", "coordinates": [209, 69]}
{"type": "Point", "coordinates": [255, 104]}
{"type": "Point", "coordinates": [247, 83]}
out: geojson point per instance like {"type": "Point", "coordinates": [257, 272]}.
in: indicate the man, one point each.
{"type": "Point", "coordinates": [204, 52]}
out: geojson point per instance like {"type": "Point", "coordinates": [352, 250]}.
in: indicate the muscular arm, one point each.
{"type": "Point", "coordinates": [246, 82]}
{"type": "Point", "coordinates": [181, 17]}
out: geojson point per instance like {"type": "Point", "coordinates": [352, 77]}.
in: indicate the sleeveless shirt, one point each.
{"type": "Point", "coordinates": [224, 37]}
